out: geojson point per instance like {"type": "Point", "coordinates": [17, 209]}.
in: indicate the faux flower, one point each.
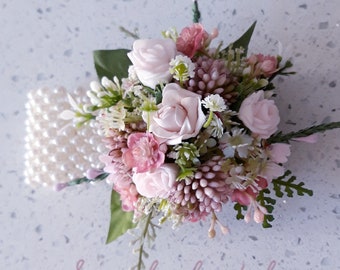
{"type": "Point", "coordinates": [308, 139]}
{"type": "Point", "coordinates": [271, 170]}
{"type": "Point", "coordinates": [214, 103]}
{"type": "Point", "coordinates": [144, 152]}
{"type": "Point", "coordinates": [266, 65]}
{"type": "Point", "coordinates": [236, 139]}
{"type": "Point", "coordinates": [179, 116]}
{"type": "Point", "coordinates": [182, 68]}
{"type": "Point", "coordinates": [248, 196]}
{"type": "Point", "coordinates": [157, 183]}
{"type": "Point", "coordinates": [151, 58]}
{"type": "Point", "coordinates": [260, 115]}
{"type": "Point", "coordinates": [191, 39]}
{"type": "Point", "coordinates": [128, 196]}
{"type": "Point", "coordinates": [279, 152]}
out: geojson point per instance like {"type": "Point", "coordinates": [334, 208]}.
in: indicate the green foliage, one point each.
{"type": "Point", "coordinates": [120, 221]}
{"type": "Point", "coordinates": [110, 63]}
{"type": "Point", "coordinates": [239, 209]}
{"type": "Point", "coordinates": [279, 137]}
{"type": "Point", "coordinates": [281, 186]}
{"type": "Point", "coordinates": [288, 185]}
{"type": "Point", "coordinates": [268, 203]}
{"type": "Point", "coordinates": [243, 42]}
{"type": "Point", "coordinates": [187, 154]}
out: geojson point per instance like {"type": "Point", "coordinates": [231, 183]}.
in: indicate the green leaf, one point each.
{"type": "Point", "coordinates": [239, 209]}
{"type": "Point", "coordinates": [268, 203]}
{"type": "Point", "coordinates": [279, 137]}
{"type": "Point", "coordinates": [289, 186]}
{"type": "Point", "coordinates": [110, 63]}
{"type": "Point", "coordinates": [120, 221]}
{"type": "Point", "coordinates": [243, 41]}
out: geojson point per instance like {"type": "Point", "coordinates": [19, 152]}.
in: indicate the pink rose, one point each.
{"type": "Point", "coordinates": [151, 58]}
{"type": "Point", "coordinates": [279, 152]}
{"type": "Point", "coordinates": [144, 152]}
{"type": "Point", "coordinates": [191, 39]}
{"type": "Point", "coordinates": [266, 65]}
{"type": "Point", "coordinates": [179, 116]}
{"type": "Point", "coordinates": [157, 183]}
{"type": "Point", "coordinates": [260, 115]}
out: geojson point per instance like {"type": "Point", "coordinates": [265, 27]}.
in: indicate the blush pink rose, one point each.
{"type": "Point", "coordinates": [151, 58]}
{"type": "Point", "coordinates": [266, 65]}
{"type": "Point", "coordinates": [279, 152]}
{"type": "Point", "coordinates": [191, 39]}
{"type": "Point", "coordinates": [157, 183]}
{"type": "Point", "coordinates": [260, 115]}
{"type": "Point", "coordinates": [144, 152]}
{"type": "Point", "coordinates": [179, 116]}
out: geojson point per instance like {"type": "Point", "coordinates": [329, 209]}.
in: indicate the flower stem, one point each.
{"type": "Point", "coordinates": [279, 137]}
{"type": "Point", "coordinates": [144, 234]}
{"type": "Point", "coordinates": [210, 118]}
{"type": "Point", "coordinates": [79, 181]}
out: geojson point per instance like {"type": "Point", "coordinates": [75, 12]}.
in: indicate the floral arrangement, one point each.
{"type": "Point", "coordinates": [189, 127]}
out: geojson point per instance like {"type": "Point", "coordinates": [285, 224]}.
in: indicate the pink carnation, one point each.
{"type": "Point", "coordinates": [121, 179]}
{"type": "Point", "coordinates": [144, 152]}
{"type": "Point", "coordinates": [191, 39]}
{"type": "Point", "coordinates": [128, 196]}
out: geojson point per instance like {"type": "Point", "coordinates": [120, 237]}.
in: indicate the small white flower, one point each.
{"type": "Point", "coordinates": [112, 118]}
{"type": "Point", "coordinates": [95, 86]}
{"type": "Point", "coordinates": [79, 113]}
{"type": "Point", "coordinates": [216, 127]}
{"type": "Point", "coordinates": [214, 103]}
{"type": "Point", "coordinates": [182, 68]}
{"type": "Point", "coordinates": [237, 140]}
{"type": "Point", "coordinates": [171, 33]}
{"type": "Point", "coordinates": [236, 177]}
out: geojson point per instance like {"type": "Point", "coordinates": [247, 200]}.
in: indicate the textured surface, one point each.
{"type": "Point", "coordinates": [49, 43]}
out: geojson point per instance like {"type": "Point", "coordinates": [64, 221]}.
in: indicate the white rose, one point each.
{"type": "Point", "coordinates": [179, 116]}
{"type": "Point", "coordinates": [151, 58]}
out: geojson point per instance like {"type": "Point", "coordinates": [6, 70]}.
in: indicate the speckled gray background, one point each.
{"type": "Point", "coordinates": [49, 43]}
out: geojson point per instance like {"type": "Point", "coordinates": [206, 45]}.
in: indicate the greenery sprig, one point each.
{"type": "Point", "coordinates": [283, 185]}
{"type": "Point", "coordinates": [279, 137]}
